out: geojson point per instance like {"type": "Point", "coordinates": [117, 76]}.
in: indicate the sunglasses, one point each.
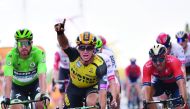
{"type": "Point", "coordinates": [23, 43]}
{"type": "Point", "coordinates": [87, 48]}
{"type": "Point", "coordinates": [167, 45]}
{"type": "Point", "coordinates": [180, 40]}
{"type": "Point", "coordinates": [155, 60]}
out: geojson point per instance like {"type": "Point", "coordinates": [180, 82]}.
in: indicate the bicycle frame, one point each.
{"type": "Point", "coordinates": [164, 102]}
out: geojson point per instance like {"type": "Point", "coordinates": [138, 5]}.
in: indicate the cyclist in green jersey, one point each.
{"type": "Point", "coordinates": [25, 72]}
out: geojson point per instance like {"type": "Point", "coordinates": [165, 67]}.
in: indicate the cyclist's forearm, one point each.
{"type": "Point", "coordinates": [113, 88]}
{"type": "Point", "coordinates": [147, 92]}
{"type": "Point", "coordinates": [63, 41]}
{"type": "Point", "coordinates": [184, 71]}
{"type": "Point", "coordinates": [42, 83]}
{"type": "Point", "coordinates": [102, 98]}
{"type": "Point", "coordinates": [7, 86]}
{"type": "Point", "coordinates": [182, 88]}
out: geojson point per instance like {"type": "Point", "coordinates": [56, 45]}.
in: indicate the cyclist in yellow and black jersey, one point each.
{"type": "Point", "coordinates": [88, 71]}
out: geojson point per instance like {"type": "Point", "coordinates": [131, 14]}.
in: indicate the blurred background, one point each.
{"type": "Point", "coordinates": [129, 26]}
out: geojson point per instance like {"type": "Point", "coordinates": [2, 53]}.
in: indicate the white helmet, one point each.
{"type": "Point", "coordinates": [158, 50]}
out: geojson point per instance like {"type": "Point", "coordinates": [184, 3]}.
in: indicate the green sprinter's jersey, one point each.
{"type": "Point", "coordinates": [25, 71]}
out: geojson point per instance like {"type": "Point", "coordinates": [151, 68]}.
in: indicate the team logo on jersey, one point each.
{"type": "Point", "coordinates": [91, 70]}
{"type": "Point", "coordinates": [38, 89]}
{"type": "Point", "coordinates": [43, 60]}
{"type": "Point", "coordinates": [10, 56]}
{"type": "Point", "coordinates": [105, 78]}
{"type": "Point", "coordinates": [8, 63]}
{"type": "Point", "coordinates": [32, 65]}
{"type": "Point", "coordinates": [17, 95]}
{"type": "Point", "coordinates": [78, 64]}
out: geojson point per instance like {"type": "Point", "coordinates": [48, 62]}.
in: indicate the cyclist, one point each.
{"type": "Point", "coordinates": [25, 72]}
{"type": "Point", "coordinates": [182, 39]}
{"type": "Point", "coordinates": [172, 49]}
{"type": "Point", "coordinates": [162, 73]}
{"type": "Point", "coordinates": [61, 71]}
{"type": "Point", "coordinates": [133, 75]}
{"type": "Point", "coordinates": [86, 71]}
{"type": "Point", "coordinates": [102, 49]}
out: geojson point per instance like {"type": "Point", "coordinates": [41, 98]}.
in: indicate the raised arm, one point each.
{"type": "Point", "coordinates": [62, 39]}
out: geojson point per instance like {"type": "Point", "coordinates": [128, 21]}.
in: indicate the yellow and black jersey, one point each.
{"type": "Point", "coordinates": [86, 76]}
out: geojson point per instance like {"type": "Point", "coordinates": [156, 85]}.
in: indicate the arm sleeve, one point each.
{"type": "Point", "coordinates": [41, 68]}
{"type": "Point", "coordinates": [146, 80]}
{"type": "Point", "coordinates": [176, 66]}
{"type": "Point", "coordinates": [72, 53]}
{"type": "Point", "coordinates": [8, 68]}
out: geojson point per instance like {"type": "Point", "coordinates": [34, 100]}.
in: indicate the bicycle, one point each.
{"type": "Point", "coordinates": [167, 104]}
{"type": "Point", "coordinates": [134, 102]}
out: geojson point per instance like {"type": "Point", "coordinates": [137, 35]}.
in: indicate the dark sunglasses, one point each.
{"type": "Point", "coordinates": [155, 60]}
{"type": "Point", "coordinates": [180, 40]}
{"type": "Point", "coordinates": [167, 45]}
{"type": "Point", "coordinates": [87, 48]}
{"type": "Point", "coordinates": [23, 43]}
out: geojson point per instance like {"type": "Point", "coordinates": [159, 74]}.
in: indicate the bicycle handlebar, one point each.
{"type": "Point", "coordinates": [61, 81]}
{"type": "Point", "coordinates": [164, 102]}
{"type": "Point", "coordinates": [85, 107]}
{"type": "Point", "coordinates": [24, 102]}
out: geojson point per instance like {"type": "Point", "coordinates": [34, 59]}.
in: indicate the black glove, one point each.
{"type": "Point", "coordinates": [60, 27]}
{"type": "Point", "coordinates": [44, 97]}
{"type": "Point", "coordinates": [5, 102]}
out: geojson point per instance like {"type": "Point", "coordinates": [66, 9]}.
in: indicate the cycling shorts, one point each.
{"type": "Point", "coordinates": [133, 79]}
{"type": "Point", "coordinates": [170, 89]}
{"type": "Point", "coordinates": [23, 92]}
{"type": "Point", "coordinates": [75, 96]}
{"type": "Point", "coordinates": [63, 75]}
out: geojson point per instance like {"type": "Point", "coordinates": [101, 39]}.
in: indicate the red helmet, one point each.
{"type": "Point", "coordinates": [164, 39]}
{"type": "Point", "coordinates": [103, 40]}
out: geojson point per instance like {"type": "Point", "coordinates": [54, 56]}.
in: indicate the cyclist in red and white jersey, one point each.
{"type": "Point", "coordinates": [172, 48]}
{"type": "Point", "coordinates": [182, 39]}
{"type": "Point", "coordinates": [61, 71]}
{"type": "Point", "coordinates": [162, 74]}
{"type": "Point", "coordinates": [106, 52]}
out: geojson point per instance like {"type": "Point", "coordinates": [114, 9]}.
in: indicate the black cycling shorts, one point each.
{"type": "Point", "coordinates": [75, 96]}
{"type": "Point", "coordinates": [23, 92]}
{"type": "Point", "coordinates": [63, 75]}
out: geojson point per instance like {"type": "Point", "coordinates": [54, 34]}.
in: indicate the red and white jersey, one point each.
{"type": "Point", "coordinates": [171, 74]}
{"type": "Point", "coordinates": [110, 54]}
{"type": "Point", "coordinates": [61, 60]}
{"type": "Point", "coordinates": [110, 71]}
{"type": "Point", "coordinates": [187, 55]}
{"type": "Point", "coordinates": [177, 51]}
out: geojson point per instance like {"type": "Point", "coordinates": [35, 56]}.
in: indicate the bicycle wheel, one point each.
{"type": "Point", "coordinates": [134, 102]}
